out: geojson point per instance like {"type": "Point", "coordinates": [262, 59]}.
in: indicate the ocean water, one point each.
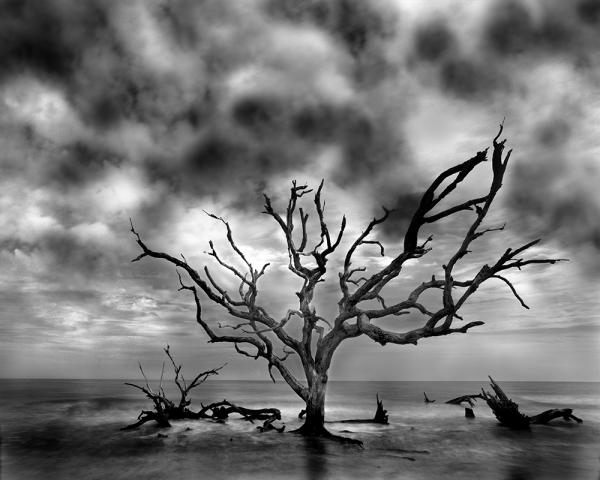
{"type": "Point", "coordinates": [69, 429]}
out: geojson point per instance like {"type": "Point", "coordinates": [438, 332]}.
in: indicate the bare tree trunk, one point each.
{"type": "Point", "coordinates": [314, 422]}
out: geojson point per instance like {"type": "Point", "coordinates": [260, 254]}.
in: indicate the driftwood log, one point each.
{"type": "Point", "coordinates": [221, 411]}
{"type": "Point", "coordinates": [380, 417]}
{"type": "Point", "coordinates": [427, 399]}
{"type": "Point", "coordinates": [268, 425]}
{"type": "Point", "coordinates": [470, 399]}
{"type": "Point", "coordinates": [508, 414]}
{"type": "Point", "coordinates": [545, 417]}
{"type": "Point", "coordinates": [166, 409]}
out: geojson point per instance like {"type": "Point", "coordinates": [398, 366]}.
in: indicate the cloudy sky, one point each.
{"type": "Point", "coordinates": [156, 110]}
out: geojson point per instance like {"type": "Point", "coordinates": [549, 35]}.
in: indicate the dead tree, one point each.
{"type": "Point", "coordinates": [166, 409]}
{"type": "Point", "coordinates": [506, 411]}
{"type": "Point", "coordinates": [427, 399]}
{"type": "Point", "coordinates": [256, 333]}
{"type": "Point", "coordinates": [508, 414]}
{"type": "Point", "coordinates": [180, 410]}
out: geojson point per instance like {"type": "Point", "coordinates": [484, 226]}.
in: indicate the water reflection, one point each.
{"type": "Point", "coordinates": [518, 472]}
{"type": "Point", "coordinates": [315, 451]}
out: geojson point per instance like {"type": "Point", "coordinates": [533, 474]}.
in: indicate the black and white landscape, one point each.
{"type": "Point", "coordinates": [333, 206]}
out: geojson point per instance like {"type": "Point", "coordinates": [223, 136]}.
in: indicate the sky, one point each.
{"type": "Point", "coordinates": [158, 110]}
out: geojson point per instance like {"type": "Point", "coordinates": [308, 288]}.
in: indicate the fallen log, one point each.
{"type": "Point", "coordinates": [221, 410]}
{"type": "Point", "coordinates": [427, 400]}
{"type": "Point", "coordinates": [508, 414]}
{"type": "Point", "coordinates": [380, 417]}
{"type": "Point", "coordinates": [545, 417]}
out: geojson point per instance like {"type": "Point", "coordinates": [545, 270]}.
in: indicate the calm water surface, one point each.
{"type": "Point", "coordinates": [63, 429]}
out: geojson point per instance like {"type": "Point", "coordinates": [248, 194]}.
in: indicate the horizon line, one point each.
{"type": "Point", "coordinates": [283, 381]}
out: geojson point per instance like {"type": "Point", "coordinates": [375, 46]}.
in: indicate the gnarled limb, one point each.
{"type": "Point", "coordinates": [470, 399]}
{"type": "Point", "coordinates": [183, 386]}
{"type": "Point", "coordinates": [438, 322]}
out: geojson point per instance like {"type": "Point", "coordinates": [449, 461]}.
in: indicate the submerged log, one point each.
{"type": "Point", "coordinates": [470, 399]}
{"type": "Point", "coordinates": [380, 417]}
{"type": "Point", "coordinates": [147, 416]}
{"type": "Point", "coordinates": [221, 410]}
{"type": "Point", "coordinates": [268, 425]}
{"type": "Point", "coordinates": [545, 417]}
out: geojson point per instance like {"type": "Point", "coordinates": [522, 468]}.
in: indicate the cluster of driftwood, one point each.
{"type": "Point", "coordinates": [507, 411]}
{"type": "Point", "coordinates": [166, 409]}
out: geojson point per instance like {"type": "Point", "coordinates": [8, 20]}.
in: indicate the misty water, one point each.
{"type": "Point", "coordinates": [63, 429]}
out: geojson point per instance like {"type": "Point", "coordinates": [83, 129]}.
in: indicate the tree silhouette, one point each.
{"type": "Point", "coordinates": [319, 338]}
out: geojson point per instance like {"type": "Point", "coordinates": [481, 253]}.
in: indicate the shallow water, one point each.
{"type": "Point", "coordinates": [70, 429]}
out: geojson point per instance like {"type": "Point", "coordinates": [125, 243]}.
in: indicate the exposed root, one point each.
{"type": "Point", "coordinates": [321, 432]}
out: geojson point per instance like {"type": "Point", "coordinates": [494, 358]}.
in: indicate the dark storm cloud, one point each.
{"type": "Point", "coordinates": [210, 140]}
{"type": "Point", "coordinates": [156, 109]}
{"type": "Point", "coordinates": [509, 28]}
{"type": "Point", "coordinates": [509, 31]}
{"type": "Point", "coordinates": [46, 37]}
{"type": "Point", "coordinates": [78, 164]}
{"type": "Point", "coordinates": [65, 252]}
{"type": "Point", "coordinates": [551, 28]}
{"type": "Point", "coordinates": [468, 77]}
{"type": "Point", "coordinates": [460, 72]}
{"type": "Point", "coordinates": [551, 186]}
{"type": "Point", "coordinates": [552, 190]}
{"type": "Point", "coordinates": [433, 40]}
{"type": "Point", "coordinates": [357, 25]}
{"type": "Point", "coordinates": [589, 11]}
{"type": "Point", "coordinates": [553, 133]}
